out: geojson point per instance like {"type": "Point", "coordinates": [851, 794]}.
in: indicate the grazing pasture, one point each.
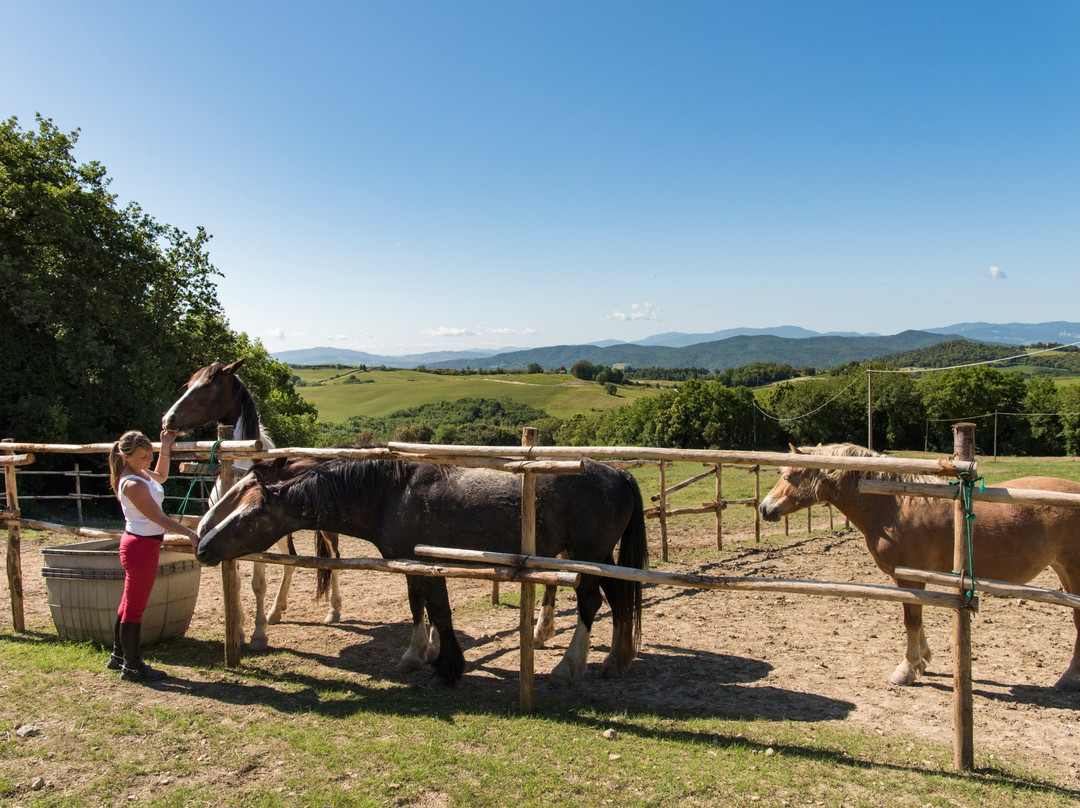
{"type": "Point", "coordinates": [381, 392]}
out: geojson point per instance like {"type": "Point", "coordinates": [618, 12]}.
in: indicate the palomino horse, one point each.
{"type": "Point", "coordinates": [396, 505]}
{"type": "Point", "coordinates": [216, 394]}
{"type": "Point", "coordinates": [1011, 542]}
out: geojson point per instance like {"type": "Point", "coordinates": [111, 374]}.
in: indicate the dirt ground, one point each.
{"type": "Point", "coordinates": [755, 655]}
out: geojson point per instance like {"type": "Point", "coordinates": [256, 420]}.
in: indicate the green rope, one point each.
{"type": "Point", "coordinates": [966, 491]}
{"type": "Point", "coordinates": [202, 473]}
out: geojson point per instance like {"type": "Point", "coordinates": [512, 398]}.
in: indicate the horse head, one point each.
{"type": "Point", "coordinates": [252, 515]}
{"type": "Point", "coordinates": [211, 396]}
{"type": "Point", "coordinates": [796, 489]}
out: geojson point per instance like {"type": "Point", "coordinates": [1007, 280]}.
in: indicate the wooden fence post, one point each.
{"type": "Point", "coordinates": [757, 501]}
{"type": "Point", "coordinates": [529, 437]}
{"type": "Point", "coordinates": [963, 714]}
{"type": "Point", "coordinates": [719, 507]}
{"type": "Point", "coordinates": [14, 547]}
{"type": "Point", "coordinates": [663, 512]}
{"type": "Point", "coordinates": [230, 572]}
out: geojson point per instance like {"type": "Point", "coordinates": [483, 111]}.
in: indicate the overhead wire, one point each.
{"type": "Point", "coordinates": [868, 370]}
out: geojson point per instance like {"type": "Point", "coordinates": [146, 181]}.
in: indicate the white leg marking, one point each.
{"type": "Point", "coordinates": [573, 663]}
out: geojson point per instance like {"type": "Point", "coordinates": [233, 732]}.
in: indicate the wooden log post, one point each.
{"type": "Point", "coordinates": [663, 512]}
{"type": "Point", "coordinates": [719, 507]}
{"type": "Point", "coordinates": [757, 501]}
{"type": "Point", "coordinates": [14, 546]}
{"type": "Point", "coordinates": [526, 700]}
{"type": "Point", "coordinates": [963, 713]}
{"type": "Point", "coordinates": [230, 573]}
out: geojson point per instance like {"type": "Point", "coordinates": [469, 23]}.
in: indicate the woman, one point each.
{"type": "Point", "coordinates": [139, 489]}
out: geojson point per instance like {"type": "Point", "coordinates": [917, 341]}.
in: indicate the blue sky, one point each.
{"type": "Point", "coordinates": [399, 177]}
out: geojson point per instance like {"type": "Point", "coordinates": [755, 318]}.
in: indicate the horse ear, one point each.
{"type": "Point", "coordinates": [795, 449]}
{"type": "Point", "coordinates": [235, 366]}
{"type": "Point", "coordinates": [268, 471]}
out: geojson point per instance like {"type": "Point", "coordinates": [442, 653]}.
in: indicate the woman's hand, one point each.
{"type": "Point", "coordinates": [193, 537]}
{"type": "Point", "coordinates": [168, 438]}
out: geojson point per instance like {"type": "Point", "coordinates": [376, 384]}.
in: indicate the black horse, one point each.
{"type": "Point", "coordinates": [396, 505]}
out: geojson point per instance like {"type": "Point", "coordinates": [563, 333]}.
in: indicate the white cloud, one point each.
{"type": "Point", "coordinates": [337, 337]}
{"type": "Point", "coordinates": [282, 334]}
{"type": "Point", "coordinates": [638, 311]}
{"type": "Point", "coordinates": [445, 331]}
{"type": "Point", "coordinates": [512, 331]}
{"type": "Point", "coordinates": [997, 274]}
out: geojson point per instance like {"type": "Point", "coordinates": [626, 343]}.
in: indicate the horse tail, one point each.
{"type": "Point", "coordinates": [325, 547]}
{"type": "Point", "coordinates": [633, 552]}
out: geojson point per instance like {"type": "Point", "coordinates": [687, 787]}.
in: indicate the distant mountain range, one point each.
{"type": "Point", "coordinates": [718, 350]}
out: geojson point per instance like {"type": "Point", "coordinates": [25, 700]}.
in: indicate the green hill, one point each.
{"type": "Point", "coordinates": [340, 393]}
{"type": "Point", "coordinates": [818, 352]}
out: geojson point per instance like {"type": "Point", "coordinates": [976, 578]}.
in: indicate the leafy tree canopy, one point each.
{"type": "Point", "coordinates": [106, 311]}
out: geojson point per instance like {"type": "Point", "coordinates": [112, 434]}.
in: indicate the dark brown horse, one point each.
{"type": "Point", "coordinates": [396, 505]}
{"type": "Point", "coordinates": [1011, 542]}
{"type": "Point", "coordinates": [215, 394]}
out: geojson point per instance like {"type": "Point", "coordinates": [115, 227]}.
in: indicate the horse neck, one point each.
{"type": "Point", "coordinates": [245, 418]}
{"type": "Point", "coordinates": [871, 514]}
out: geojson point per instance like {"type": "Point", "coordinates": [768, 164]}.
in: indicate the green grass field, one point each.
{"type": "Point", "coordinates": [381, 392]}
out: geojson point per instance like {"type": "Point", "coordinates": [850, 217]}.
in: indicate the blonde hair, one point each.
{"type": "Point", "coordinates": [128, 443]}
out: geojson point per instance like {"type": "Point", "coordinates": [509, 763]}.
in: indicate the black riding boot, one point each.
{"type": "Point", "coordinates": [134, 669]}
{"type": "Point", "coordinates": [116, 658]}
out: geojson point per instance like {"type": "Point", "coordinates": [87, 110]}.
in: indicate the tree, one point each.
{"type": "Point", "coordinates": [1043, 426]}
{"type": "Point", "coordinates": [584, 370]}
{"type": "Point", "coordinates": [967, 394]}
{"type": "Point", "coordinates": [106, 311]}
{"type": "Point", "coordinates": [825, 409]}
{"type": "Point", "coordinates": [1069, 408]}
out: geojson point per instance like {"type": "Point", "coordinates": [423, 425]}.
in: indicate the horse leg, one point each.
{"type": "Point", "coordinates": [574, 662]}
{"type": "Point", "coordinates": [258, 640]}
{"type": "Point", "coordinates": [334, 613]}
{"type": "Point", "coordinates": [449, 665]}
{"type": "Point", "coordinates": [1070, 680]}
{"type": "Point", "coordinates": [624, 628]}
{"type": "Point", "coordinates": [545, 623]}
{"type": "Point", "coordinates": [326, 546]}
{"type": "Point", "coordinates": [422, 650]}
{"type": "Point", "coordinates": [918, 651]}
{"type": "Point", "coordinates": [281, 600]}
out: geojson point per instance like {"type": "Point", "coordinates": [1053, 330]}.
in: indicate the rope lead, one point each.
{"type": "Point", "coordinates": [202, 473]}
{"type": "Point", "coordinates": [965, 490]}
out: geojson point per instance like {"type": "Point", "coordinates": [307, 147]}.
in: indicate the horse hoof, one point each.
{"type": "Point", "coordinates": [274, 618]}
{"type": "Point", "coordinates": [564, 676]}
{"type": "Point", "coordinates": [611, 671]}
{"type": "Point", "coordinates": [331, 618]}
{"type": "Point", "coordinates": [408, 665]}
{"type": "Point", "coordinates": [440, 682]}
{"type": "Point", "coordinates": [903, 677]}
{"type": "Point", "coordinates": [1068, 684]}
{"type": "Point", "coordinates": [258, 644]}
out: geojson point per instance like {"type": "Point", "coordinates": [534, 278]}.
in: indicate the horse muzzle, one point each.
{"type": "Point", "coordinates": [769, 511]}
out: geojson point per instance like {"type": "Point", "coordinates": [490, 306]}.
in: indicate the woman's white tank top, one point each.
{"type": "Point", "coordinates": [134, 520]}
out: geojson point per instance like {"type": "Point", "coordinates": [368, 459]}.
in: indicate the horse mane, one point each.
{"type": "Point", "coordinates": [851, 450]}
{"type": "Point", "coordinates": [326, 488]}
{"type": "Point", "coordinates": [248, 425]}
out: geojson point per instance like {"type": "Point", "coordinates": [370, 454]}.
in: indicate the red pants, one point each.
{"type": "Point", "coordinates": [139, 555]}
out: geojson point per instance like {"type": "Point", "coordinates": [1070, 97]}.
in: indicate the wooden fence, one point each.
{"type": "Point", "coordinates": [529, 460]}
